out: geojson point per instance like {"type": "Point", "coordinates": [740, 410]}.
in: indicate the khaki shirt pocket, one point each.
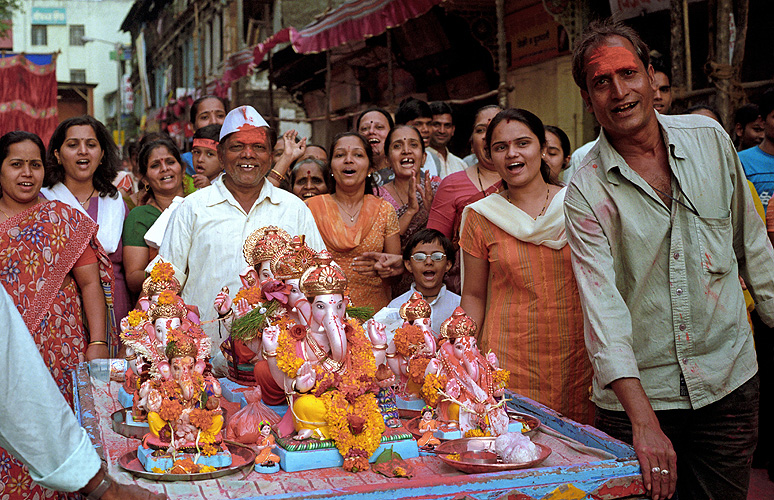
{"type": "Point", "coordinates": [716, 238]}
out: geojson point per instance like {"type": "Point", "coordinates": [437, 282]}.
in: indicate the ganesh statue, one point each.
{"type": "Point", "coordinates": [183, 404]}
{"type": "Point", "coordinates": [328, 369]}
{"type": "Point", "coordinates": [245, 315]}
{"type": "Point", "coordinates": [466, 386]}
{"type": "Point", "coordinates": [412, 347]}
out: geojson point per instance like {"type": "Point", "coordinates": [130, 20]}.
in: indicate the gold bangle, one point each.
{"type": "Point", "coordinates": [277, 174]}
{"type": "Point", "coordinates": [131, 358]}
{"type": "Point", "coordinates": [272, 354]}
{"type": "Point", "coordinates": [391, 354]}
{"type": "Point", "coordinates": [380, 347]}
{"type": "Point", "coordinates": [97, 342]}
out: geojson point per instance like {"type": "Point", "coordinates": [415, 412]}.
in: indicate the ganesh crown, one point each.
{"type": "Point", "coordinates": [458, 325]}
{"type": "Point", "coordinates": [324, 278]}
{"type": "Point", "coordinates": [173, 310]}
{"type": "Point", "coordinates": [162, 277]}
{"type": "Point", "coordinates": [416, 308]}
{"type": "Point", "coordinates": [264, 243]}
{"type": "Point", "coordinates": [292, 263]}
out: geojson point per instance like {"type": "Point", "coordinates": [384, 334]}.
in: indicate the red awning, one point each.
{"type": "Point", "coordinates": [357, 20]}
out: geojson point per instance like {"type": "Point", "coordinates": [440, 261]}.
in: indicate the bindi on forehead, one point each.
{"type": "Point", "coordinates": [606, 60]}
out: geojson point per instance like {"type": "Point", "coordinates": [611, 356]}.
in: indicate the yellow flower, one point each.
{"type": "Point", "coordinates": [430, 388]}
{"type": "Point", "coordinates": [252, 295]}
{"type": "Point", "coordinates": [500, 378]}
{"type": "Point", "coordinates": [287, 359]}
{"type": "Point", "coordinates": [136, 317]}
{"type": "Point", "coordinates": [162, 271]}
{"type": "Point", "coordinates": [167, 297]}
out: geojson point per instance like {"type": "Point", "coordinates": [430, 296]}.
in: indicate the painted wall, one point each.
{"type": "Point", "coordinates": [101, 19]}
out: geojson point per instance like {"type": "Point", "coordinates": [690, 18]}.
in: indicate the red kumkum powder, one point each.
{"type": "Point", "coordinates": [606, 60]}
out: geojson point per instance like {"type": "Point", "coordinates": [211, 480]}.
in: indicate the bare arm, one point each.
{"type": "Point", "coordinates": [293, 151]}
{"type": "Point", "coordinates": [87, 278]}
{"type": "Point", "coordinates": [474, 288]}
{"type": "Point", "coordinates": [652, 446]}
{"type": "Point", "coordinates": [136, 259]}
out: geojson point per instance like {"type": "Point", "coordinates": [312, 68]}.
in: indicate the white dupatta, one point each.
{"type": "Point", "coordinates": [110, 214]}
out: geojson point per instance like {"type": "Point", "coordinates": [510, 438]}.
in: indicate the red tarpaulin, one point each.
{"type": "Point", "coordinates": [240, 63]}
{"type": "Point", "coordinates": [28, 96]}
{"type": "Point", "coordinates": [357, 20]}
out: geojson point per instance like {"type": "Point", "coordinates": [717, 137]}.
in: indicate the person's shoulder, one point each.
{"type": "Point", "coordinates": [752, 154]}
{"type": "Point", "coordinates": [400, 299]}
{"type": "Point", "coordinates": [142, 211]}
{"type": "Point", "coordinates": [279, 195]}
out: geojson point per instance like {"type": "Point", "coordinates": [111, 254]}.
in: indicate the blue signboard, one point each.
{"type": "Point", "coordinates": [49, 15]}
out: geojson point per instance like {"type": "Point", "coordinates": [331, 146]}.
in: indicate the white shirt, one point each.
{"type": "Point", "coordinates": [575, 161]}
{"type": "Point", "coordinates": [41, 430]}
{"type": "Point", "coordinates": [204, 239]}
{"type": "Point", "coordinates": [448, 166]}
{"type": "Point", "coordinates": [441, 308]}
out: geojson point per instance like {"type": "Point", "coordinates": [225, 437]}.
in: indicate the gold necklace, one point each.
{"type": "Point", "coordinates": [83, 203]}
{"type": "Point", "coordinates": [481, 184]}
{"type": "Point", "coordinates": [545, 204]}
{"type": "Point", "coordinates": [351, 217]}
{"type": "Point", "coordinates": [400, 199]}
{"type": "Point", "coordinates": [4, 213]}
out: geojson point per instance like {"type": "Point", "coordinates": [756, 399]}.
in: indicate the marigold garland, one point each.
{"type": "Point", "coordinates": [167, 297]}
{"type": "Point", "coordinates": [287, 359]}
{"type": "Point", "coordinates": [416, 368]}
{"type": "Point", "coordinates": [500, 378]}
{"type": "Point", "coordinates": [338, 411]}
{"type": "Point", "coordinates": [136, 317]}
{"type": "Point", "coordinates": [162, 271]}
{"type": "Point", "coordinates": [472, 433]}
{"type": "Point", "coordinates": [430, 388]}
{"type": "Point", "coordinates": [408, 339]}
{"type": "Point", "coordinates": [170, 410]}
{"type": "Point", "coordinates": [201, 419]}
{"type": "Point", "coordinates": [252, 294]}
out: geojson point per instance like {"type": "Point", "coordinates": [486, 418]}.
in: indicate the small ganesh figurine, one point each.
{"type": "Point", "coordinates": [242, 352]}
{"type": "Point", "coordinates": [265, 446]}
{"type": "Point", "coordinates": [413, 345]}
{"type": "Point", "coordinates": [328, 369]}
{"type": "Point", "coordinates": [183, 405]}
{"type": "Point", "coordinates": [161, 279]}
{"type": "Point", "coordinates": [473, 382]}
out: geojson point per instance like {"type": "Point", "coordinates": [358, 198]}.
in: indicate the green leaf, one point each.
{"type": "Point", "coordinates": [387, 455]}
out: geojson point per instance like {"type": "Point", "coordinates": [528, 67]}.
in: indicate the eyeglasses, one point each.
{"type": "Point", "coordinates": [422, 256]}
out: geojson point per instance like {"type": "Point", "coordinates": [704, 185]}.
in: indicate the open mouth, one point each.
{"type": "Point", "coordinates": [82, 163]}
{"type": "Point", "coordinates": [247, 167]}
{"type": "Point", "coordinates": [349, 171]}
{"type": "Point", "coordinates": [407, 162]}
{"type": "Point", "coordinates": [515, 167]}
{"type": "Point", "coordinates": [373, 140]}
{"type": "Point", "coordinates": [167, 178]}
{"type": "Point", "coordinates": [624, 107]}
{"type": "Point", "coordinates": [429, 275]}
{"type": "Point", "coordinates": [26, 184]}
{"type": "Point", "coordinates": [308, 194]}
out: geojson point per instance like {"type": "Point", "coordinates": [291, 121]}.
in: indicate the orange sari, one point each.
{"type": "Point", "coordinates": [377, 220]}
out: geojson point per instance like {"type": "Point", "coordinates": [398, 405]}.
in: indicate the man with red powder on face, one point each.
{"type": "Point", "coordinates": [661, 225]}
{"type": "Point", "coordinates": [204, 238]}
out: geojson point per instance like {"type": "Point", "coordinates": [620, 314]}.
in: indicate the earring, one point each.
{"type": "Point", "coordinates": [147, 188]}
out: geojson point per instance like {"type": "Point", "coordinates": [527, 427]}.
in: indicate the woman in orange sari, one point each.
{"type": "Point", "coordinates": [518, 284]}
{"type": "Point", "coordinates": [352, 220]}
{"type": "Point", "coordinates": [49, 261]}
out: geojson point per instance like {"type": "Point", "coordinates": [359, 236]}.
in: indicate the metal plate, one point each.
{"type": "Point", "coordinates": [413, 426]}
{"type": "Point", "coordinates": [118, 423]}
{"type": "Point", "coordinates": [476, 462]}
{"type": "Point", "coordinates": [532, 422]}
{"type": "Point", "coordinates": [242, 458]}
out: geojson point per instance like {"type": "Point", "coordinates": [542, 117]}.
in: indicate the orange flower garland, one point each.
{"type": "Point", "coordinates": [167, 297]}
{"type": "Point", "coordinates": [252, 294]}
{"type": "Point", "coordinates": [408, 339]}
{"type": "Point", "coordinates": [500, 379]}
{"type": "Point", "coordinates": [136, 317]}
{"type": "Point", "coordinates": [162, 271]}
{"type": "Point", "coordinates": [430, 388]}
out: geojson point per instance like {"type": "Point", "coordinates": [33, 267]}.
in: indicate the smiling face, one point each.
{"type": "Point", "coordinates": [429, 274]}
{"type": "Point", "coordinates": [620, 88]}
{"type": "Point", "coordinates": [406, 154]}
{"type": "Point", "coordinates": [246, 157]}
{"type": "Point", "coordinates": [443, 130]}
{"type": "Point", "coordinates": [209, 112]}
{"type": "Point", "coordinates": [374, 127]}
{"type": "Point", "coordinates": [21, 174]}
{"type": "Point", "coordinates": [80, 153]}
{"type": "Point", "coordinates": [164, 174]}
{"type": "Point", "coordinates": [554, 154]}
{"type": "Point", "coordinates": [423, 125]}
{"type": "Point", "coordinates": [478, 138]}
{"type": "Point", "coordinates": [309, 181]}
{"type": "Point", "coordinates": [206, 162]}
{"type": "Point", "coordinates": [349, 163]}
{"type": "Point", "coordinates": [751, 135]}
{"type": "Point", "coordinates": [516, 153]}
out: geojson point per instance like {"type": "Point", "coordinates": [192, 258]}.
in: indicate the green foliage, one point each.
{"type": "Point", "coordinates": [252, 323]}
{"type": "Point", "coordinates": [361, 314]}
{"type": "Point", "coordinates": [7, 8]}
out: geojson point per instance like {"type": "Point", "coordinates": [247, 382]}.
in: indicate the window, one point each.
{"type": "Point", "coordinates": [77, 76]}
{"type": "Point", "coordinates": [77, 33]}
{"type": "Point", "coordinates": [39, 34]}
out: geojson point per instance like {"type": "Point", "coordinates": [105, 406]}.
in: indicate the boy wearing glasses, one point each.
{"type": "Point", "coordinates": [428, 256]}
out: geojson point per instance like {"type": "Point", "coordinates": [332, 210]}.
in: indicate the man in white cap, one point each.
{"type": "Point", "coordinates": [204, 238]}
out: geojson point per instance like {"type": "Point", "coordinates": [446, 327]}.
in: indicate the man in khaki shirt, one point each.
{"type": "Point", "coordinates": [661, 225]}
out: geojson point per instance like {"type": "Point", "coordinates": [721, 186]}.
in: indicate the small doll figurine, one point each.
{"type": "Point", "coordinates": [428, 425]}
{"type": "Point", "coordinates": [265, 446]}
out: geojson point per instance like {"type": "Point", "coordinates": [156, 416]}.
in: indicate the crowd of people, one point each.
{"type": "Point", "coordinates": [609, 281]}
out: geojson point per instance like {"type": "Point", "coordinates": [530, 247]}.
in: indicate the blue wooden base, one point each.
{"type": "Point", "coordinates": [234, 393]}
{"type": "Point", "coordinates": [267, 469]}
{"type": "Point", "coordinates": [148, 461]}
{"type": "Point", "coordinates": [514, 426]}
{"type": "Point", "coordinates": [294, 461]}
{"type": "Point", "coordinates": [125, 399]}
{"type": "Point", "coordinates": [415, 404]}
